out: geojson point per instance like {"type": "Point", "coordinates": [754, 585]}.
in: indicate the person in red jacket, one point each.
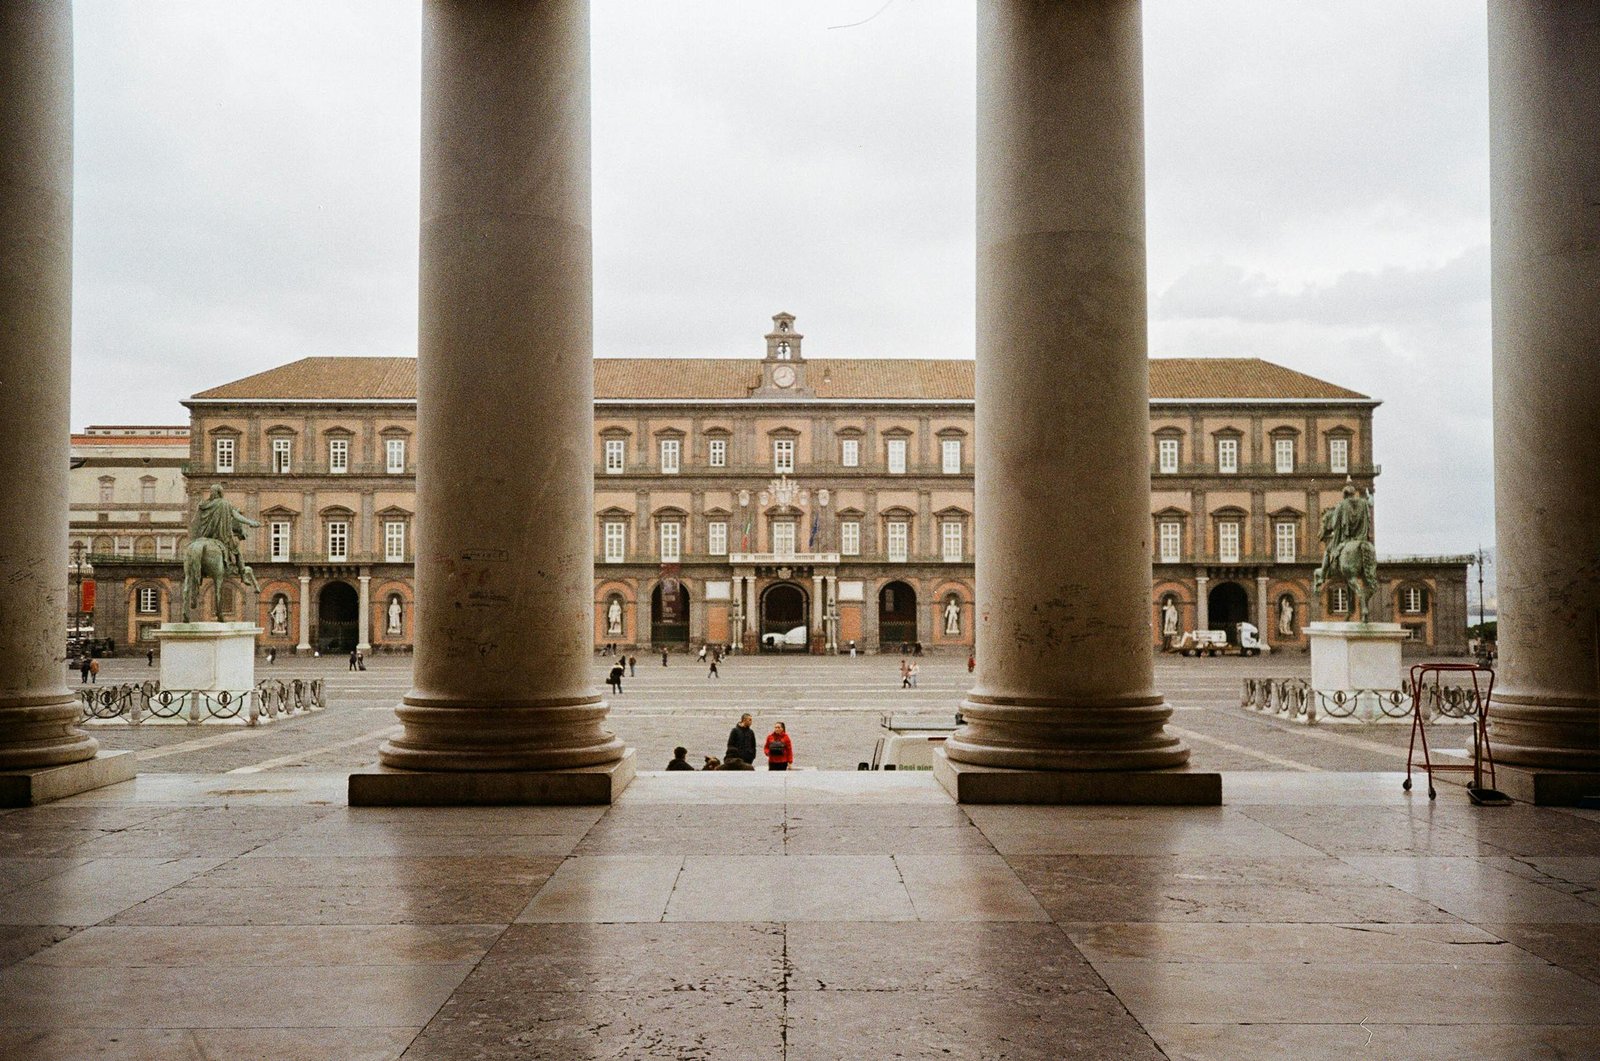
{"type": "Point", "coordinates": [779, 748]}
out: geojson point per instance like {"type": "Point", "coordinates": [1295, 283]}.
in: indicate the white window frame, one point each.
{"type": "Point", "coordinates": [616, 455]}
{"type": "Point", "coordinates": [338, 456]}
{"type": "Point", "coordinates": [279, 537]}
{"type": "Point", "coordinates": [224, 450]}
{"type": "Point", "coordinates": [950, 456]}
{"type": "Point", "coordinates": [338, 540]}
{"type": "Point", "coordinates": [1170, 537]}
{"type": "Point", "coordinates": [147, 492]}
{"type": "Point", "coordinates": [108, 491]}
{"type": "Point", "coordinates": [394, 541]}
{"type": "Point", "coordinates": [850, 537]}
{"type": "Point", "coordinates": [149, 600]}
{"type": "Point", "coordinates": [1283, 455]}
{"type": "Point", "coordinates": [614, 541]}
{"type": "Point", "coordinates": [950, 541]}
{"type": "Point", "coordinates": [1167, 455]}
{"type": "Point", "coordinates": [394, 456]}
{"type": "Point", "coordinates": [1339, 600]}
{"type": "Point", "coordinates": [783, 454]}
{"type": "Point", "coordinates": [897, 540]}
{"type": "Point", "coordinates": [671, 450]}
{"type": "Point", "coordinates": [850, 453]}
{"type": "Point", "coordinates": [282, 456]}
{"type": "Point", "coordinates": [1339, 455]}
{"type": "Point", "coordinates": [1410, 600]}
{"type": "Point", "coordinates": [1230, 535]}
{"type": "Point", "coordinates": [784, 534]}
{"type": "Point", "coordinates": [896, 452]}
{"type": "Point", "coordinates": [1228, 456]}
{"type": "Point", "coordinates": [1286, 541]}
{"type": "Point", "coordinates": [671, 537]}
{"type": "Point", "coordinates": [717, 537]}
{"type": "Point", "coordinates": [717, 453]}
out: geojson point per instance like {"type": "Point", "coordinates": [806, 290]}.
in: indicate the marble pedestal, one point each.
{"type": "Point", "coordinates": [387, 786]}
{"type": "Point", "coordinates": [29, 788]}
{"type": "Point", "coordinates": [1346, 657]}
{"type": "Point", "coordinates": [210, 658]}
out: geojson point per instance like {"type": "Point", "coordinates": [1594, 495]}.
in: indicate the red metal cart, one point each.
{"type": "Point", "coordinates": [1481, 691]}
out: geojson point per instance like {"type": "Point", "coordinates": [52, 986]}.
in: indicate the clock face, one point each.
{"type": "Point", "coordinates": [783, 376]}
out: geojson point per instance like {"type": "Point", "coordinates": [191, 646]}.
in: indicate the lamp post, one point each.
{"type": "Point", "coordinates": [77, 595]}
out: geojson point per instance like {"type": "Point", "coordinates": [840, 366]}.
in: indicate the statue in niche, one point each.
{"type": "Point", "coordinates": [396, 614]}
{"type": "Point", "coordinates": [614, 618]}
{"type": "Point", "coordinates": [952, 616]}
{"type": "Point", "coordinates": [1286, 615]}
{"type": "Point", "coordinates": [1169, 618]}
{"type": "Point", "coordinates": [278, 615]}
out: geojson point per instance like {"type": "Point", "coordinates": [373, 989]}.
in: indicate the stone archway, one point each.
{"type": "Point", "coordinates": [784, 609]}
{"type": "Point", "coordinates": [1227, 605]}
{"type": "Point", "coordinates": [338, 616]}
{"type": "Point", "coordinates": [669, 613]}
{"type": "Point", "coordinates": [897, 616]}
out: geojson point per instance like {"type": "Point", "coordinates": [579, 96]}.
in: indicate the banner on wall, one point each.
{"type": "Point", "coordinates": [86, 596]}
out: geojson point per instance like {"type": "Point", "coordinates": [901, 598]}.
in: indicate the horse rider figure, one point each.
{"type": "Point", "coordinates": [1348, 552]}
{"type": "Point", "coordinates": [219, 520]}
{"type": "Point", "coordinates": [213, 551]}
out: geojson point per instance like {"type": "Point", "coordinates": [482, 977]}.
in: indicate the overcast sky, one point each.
{"type": "Point", "coordinates": [1317, 186]}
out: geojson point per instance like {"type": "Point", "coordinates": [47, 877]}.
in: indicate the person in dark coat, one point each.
{"type": "Point", "coordinates": [680, 760]}
{"type": "Point", "coordinates": [741, 742]}
{"type": "Point", "coordinates": [633, 665]}
{"type": "Point", "coordinates": [615, 679]}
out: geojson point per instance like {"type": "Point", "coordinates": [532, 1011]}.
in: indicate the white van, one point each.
{"type": "Point", "coordinates": [909, 742]}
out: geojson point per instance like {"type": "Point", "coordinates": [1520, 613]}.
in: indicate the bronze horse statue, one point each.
{"type": "Point", "coordinates": [203, 559]}
{"type": "Point", "coordinates": [1355, 561]}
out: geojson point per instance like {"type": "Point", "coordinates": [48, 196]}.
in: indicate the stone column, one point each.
{"type": "Point", "coordinates": [305, 613]}
{"type": "Point", "coordinates": [1065, 674]}
{"type": "Point", "coordinates": [505, 564]}
{"type": "Point", "coordinates": [364, 613]}
{"type": "Point", "coordinates": [1202, 602]}
{"type": "Point", "coordinates": [43, 753]}
{"type": "Point", "coordinates": [1544, 139]}
{"type": "Point", "coordinates": [818, 633]}
{"type": "Point", "coordinates": [1263, 613]}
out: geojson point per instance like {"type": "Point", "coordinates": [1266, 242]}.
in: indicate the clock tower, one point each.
{"type": "Point", "coordinates": [783, 371]}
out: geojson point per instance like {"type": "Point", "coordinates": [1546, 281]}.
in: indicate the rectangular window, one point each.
{"type": "Point", "coordinates": [1286, 544]}
{"type": "Point", "coordinates": [282, 456]}
{"type": "Point", "coordinates": [278, 540]}
{"type": "Point", "coordinates": [670, 451]}
{"type": "Point", "coordinates": [394, 541]}
{"type": "Point", "coordinates": [1171, 541]}
{"type": "Point", "coordinates": [338, 456]}
{"type": "Point", "coordinates": [224, 455]}
{"type": "Point", "coordinates": [783, 454]}
{"type": "Point", "coordinates": [1283, 455]}
{"type": "Point", "coordinates": [897, 456]}
{"type": "Point", "coordinates": [147, 493]}
{"type": "Point", "coordinates": [950, 541]}
{"type": "Point", "coordinates": [614, 454]}
{"type": "Point", "coordinates": [1228, 542]}
{"type": "Point", "coordinates": [338, 541]}
{"type": "Point", "coordinates": [616, 541]}
{"type": "Point", "coordinates": [1339, 455]}
{"type": "Point", "coordinates": [783, 538]}
{"type": "Point", "coordinates": [108, 489]}
{"type": "Point", "coordinates": [1228, 455]}
{"type": "Point", "coordinates": [1339, 600]}
{"type": "Point", "coordinates": [850, 452]}
{"type": "Point", "coordinates": [950, 456]}
{"type": "Point", "coordinates": [394, 456]}
{"type": "Point", "coordinates": [850, 538]}
{"type": "Point", "coordinates": [899, 540]}
{"type": "Point", "coordinates": [149, 600]}
{"type": "Point", "coordinates": [1167, 453]}
{"type": "Point", "coordinates": [718, 457]}
{"type": "Point", "coordinates": [1411, 600]}
{"type": "Point", "coordinates": [717, 538]}
{"type": "Point", "coordinates": [671, 543]}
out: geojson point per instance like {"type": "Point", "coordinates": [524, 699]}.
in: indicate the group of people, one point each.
{"type": "Point", "coordinates": [358, 660]}
{"type": "Point", "coordinates": [624, 666]}
{"type": "Point", "coordinates": [908, 674]}
{"type": "Point", "coordinates": [741, 751]}
{"type": "Point", "coordinates": [714, 657]}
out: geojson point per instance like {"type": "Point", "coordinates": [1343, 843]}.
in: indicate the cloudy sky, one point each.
{"type": "Point", "coordinates": [1317, 188]}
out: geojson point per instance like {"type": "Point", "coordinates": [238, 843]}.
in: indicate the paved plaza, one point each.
{"type": "Point", "coordinates": [831, 705]}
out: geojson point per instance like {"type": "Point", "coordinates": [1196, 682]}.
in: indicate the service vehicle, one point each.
{"type": "Point", "coordinates": [909, 741]}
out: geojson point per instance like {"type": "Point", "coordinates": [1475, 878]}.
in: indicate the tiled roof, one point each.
{"type": "Point", "coordinates": [645, 378]}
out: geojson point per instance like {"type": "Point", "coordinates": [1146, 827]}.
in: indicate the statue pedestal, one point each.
{"type": "Point", "coordinates": [1351, 657]}
{"type": "Point", "coordinates": [211, 658]}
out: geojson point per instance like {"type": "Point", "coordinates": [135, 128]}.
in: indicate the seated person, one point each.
{"type": "Point", "coordinates": [680, 760]}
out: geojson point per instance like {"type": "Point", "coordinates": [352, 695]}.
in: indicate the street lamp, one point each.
{"type": "Point", "coordinates": [77, 596]}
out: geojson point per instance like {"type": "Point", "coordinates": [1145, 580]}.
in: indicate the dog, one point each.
{"type": "Point", "coordinates": [712, 763]}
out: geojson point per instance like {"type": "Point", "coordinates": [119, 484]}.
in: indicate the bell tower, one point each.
{"type": "Point", "coordinates": [783, 371]}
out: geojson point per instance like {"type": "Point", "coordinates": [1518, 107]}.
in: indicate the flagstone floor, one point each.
{"type": "Point", "coordinates": [803, 916]}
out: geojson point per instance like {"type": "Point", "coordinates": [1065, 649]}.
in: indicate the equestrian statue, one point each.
{"type": "Point", "coordinates": [213, 551]}
{"type": "Point", "coordinates": [1348, 554]}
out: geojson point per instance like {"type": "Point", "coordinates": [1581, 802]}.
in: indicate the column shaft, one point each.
{"type": "Point", "coordinates": [1065, 676]}
{"type": "Point", "coordinates": [505, 566]}
{"type": "Point", "coordinates": [305, 615]}
{"type": "Point", "coordinates": [1263, 613]}
{"type": "Point", "coordinates": [1544, 139]}
{"type": "Point", "coordinates": [38, 714]}
{"type": "Point", "coordinates": [364, 616]}
{"type": "Point", "coordinates": [1202, 602]}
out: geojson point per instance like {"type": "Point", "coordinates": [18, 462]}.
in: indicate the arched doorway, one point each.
{"type": "Point", "coordinates": [1226, 607]}
{"type": "Point", "coordinates": [897, 616]}
{"type": "Point", "coordinates": [784, 628]}
{"type": "Point", "coordinates": [338, 613]}
{"type": "Point", "coordinates": [669, 613]}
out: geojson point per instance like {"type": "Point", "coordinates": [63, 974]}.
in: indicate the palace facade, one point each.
{"type": "Point", "coordinates": [789, 503]}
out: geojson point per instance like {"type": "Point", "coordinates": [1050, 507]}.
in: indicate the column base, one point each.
{"type": "Point", "coordinates": [29, 788]}
{"type": "Point", "coordinates": [1536, 785]}
{"type": "Point", "coordinates": [1174, 787]}
{"type": "Point", "coordinates": [385, 786]}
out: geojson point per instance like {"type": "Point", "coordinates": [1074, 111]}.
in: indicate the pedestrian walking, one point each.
{"type": "Point", "coordinates": [680, 759]}
{"type": "Point", "coordinates": [149, 657]}
{"type": "Point", "coordinates": [702, 656]}
{"type": "Point", "coordinates": [352, 659]}
{"type": "Point", "coordinates": [741, 742]}
{"type": "Point", "coordinates": [633, 666]}
{"type": "Point", "coordinates": [779, 748]}
{"type": "Point", "coordinates": [361, 661]}
{"type": "Point", "coordinates": [913, 675]}
{"type": "Point", "coordinates": [852, 650]}
{"type": "Point", "coordinates": [905, 674]}
{"type": "Point", "coordinates": [94, 670]}
{"type": "Point", "coordinates": [713, 672]}
{"type": "Point", "coordinates": [615, 679]}
{"type": "Point", "coordinates": [663, 657]}
{"type": "Point", "coordinates": [83, 670]}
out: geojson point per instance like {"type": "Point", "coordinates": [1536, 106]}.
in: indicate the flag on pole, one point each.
{"type": "Point", "coordinates": [812, 547]}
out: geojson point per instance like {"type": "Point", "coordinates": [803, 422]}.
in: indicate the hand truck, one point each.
{"type": "Point", "coordinates": [1481, 752]}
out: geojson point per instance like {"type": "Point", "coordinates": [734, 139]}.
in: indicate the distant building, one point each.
{"type": "Point", "coordinates": [807, 502]}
